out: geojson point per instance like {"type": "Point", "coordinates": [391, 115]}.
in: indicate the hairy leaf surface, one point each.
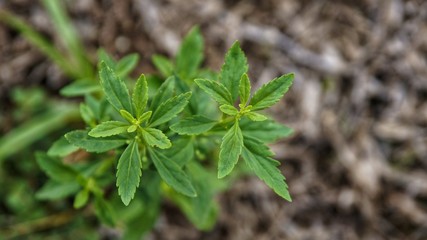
{"type": "Point", "coordinates": [231, 147]}
{"type": "Point", "coordinates": [169, 109]}
{"type": "Point", "coordinates": [140, 95]}
{"type": "Point", "coordinates": [155, 137]}
{"type": "Point", "coordinates": [108, 128]}
{"type": "Point", "coordinates": [129, 172]}
{"type": "Point", "coordinates": [172, 174]}
{"type": "Point", "coordinates": [216, 90]}
{"type": "Point", "coordinates": [115, 89]}
{"type": "Point", "coordinates": [235, 64]}
{"type": "Point", "coordinates": [81, 139]}
{"type": "Point", "coordinates": [266, 131]}
{"type": "Point", "coordinates": [270, 93]}
{"type": "Point", "coordinates": [265, 168]}
{"type": "Point", "coordinates": [244, 89]}
{"type": "Point", "coordinates": [193, 125]}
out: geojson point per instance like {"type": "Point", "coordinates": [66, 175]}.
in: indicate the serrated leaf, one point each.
{"type": "Point", "coordinates": [216, 90]}
{"type": "Point", "coordinates": [126, 115]}
{"type": "Point", "coordinates": [155, 137]}
{"type": "Point", "coordinates": [140, 95]}
{"type": "Point", "coordinates": [266, 169]}
{"type": "Point", "coordinates": [61, 148]}
{"type": "Point", "coordinates": [270, 93]}
{"type": "Point", "coordinates": [169, 109]}
{"type": "Point", "coordinates": [256, 116]}
{"type": "Point", "coordinates": [165, 92]}
{"type": "Point", "coordinates": [81, 199]}
{"type": "Point", "coordinates": [163, 64]}
{"type": "Point", "coordinates": [190, 54]}
{"type": "Point", "coordinates": [115, 89]}
{"type": "Point", "coordinates": [80, 88]}
{"type": "Point", "coordinates": [55, 169]}
{"type": "Point", "coordinates": [266, 131]}
{"type": "Point", "coordinates": [244, 89]}
{"type": "Point", "coordinates": [193, 125]}
{"type": "Point", "coordinates": [53, 190]}
{"type": "Point", "coordinates": [126, 64]}
{"type": "Point", "coordinates": [182, 151]}
{"type": "Point", "coordinates": [228, 109]}
{"type": "Point", "coordinates": [231, 147]}
{"type": "Point", "coordinates": [257, 147]}
{"type": "Point", "coordinates": [81, 139]}
{"type": "Point", "coordinates": [108, 128]}
{"type": "Point", "coordinates": [172, 174]}
{"type": "Point", "coordinates": [235, 64]}
{"type": "Point", "coordinates": [129, 172]}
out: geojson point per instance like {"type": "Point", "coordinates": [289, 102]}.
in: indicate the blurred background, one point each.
{"type": "Point", "coordinates": [356, 165]}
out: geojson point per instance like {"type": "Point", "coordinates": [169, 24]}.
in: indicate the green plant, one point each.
{"type": "Point", "coordinates": [172, 142]}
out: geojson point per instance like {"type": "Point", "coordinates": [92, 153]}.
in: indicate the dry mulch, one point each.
{"type": "Point", "coordinates": [357, 163]}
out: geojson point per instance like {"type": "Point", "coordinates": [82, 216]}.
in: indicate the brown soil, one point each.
{"type": "Point", "coordinates": [357, 163]}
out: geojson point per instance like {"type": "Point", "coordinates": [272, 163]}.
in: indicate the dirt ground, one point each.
{"type": "Point", "coordinates": [357, 163]}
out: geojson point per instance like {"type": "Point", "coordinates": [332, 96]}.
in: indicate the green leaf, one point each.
{"type": "Point", "coordinates": [145, 217]}
{"type": "Point", "coordinates": [80, 88]}
{"type": "Point", "coordinates": [190, 54]}
{"type": "Point", "coordinates": [53, 190]}
{"type": "Point", "coordinates": [270, 93]}
{"type": "Point", "coordinates": [256, 116]}
{"type": "Point", "coordinates": [140, 95]}
{"type": "Point", "coordinates": [145, 116]}
{"type": "Point", "coordinates": [104, 211]}
{"type": "Point", "coordinates": [163, 64]}
{"type": "Point", "coordinates": [126, 115]}
{"type": "Point", "coordinates": [201, 210]}
{"type": "Point", "coordinates": [103, 56]}
{"type": "Point", "coordinates": [155, 137]}
{"type": "Point", "coordinates": [228, 109]}
{"type": "Point", "coordinates": [169, 109]}
{"type": "Point", "coordinates": [216, 90]}
{"type": "Point", "coordinates": [87, 114]}
{"type": "Point", "coordinates": [266, 169]}
{"type": "Point", "coordinates": [115, 89]}
{"type": "Point", "coordinates": [182, 151]}
{"type": "Point", "coordinates": [81, 139]}
{"type": "Point", "coordinates": [127, 64]}
{"type": "Point", "coordinates": [61, 148]}
{"type": "Point", "coordinates": [165, 92]}
{"type": "Point", "coordinates": [129, 172]}
{"type": "Point", "coordinates": [132, 128]}
{"type": "Point", "coordinates": [193, 125]}
{"type": "Point", "coordinates": [77, 56]}
{"type": "Point", "coordinates": [231, 147]}
{"type": "Point", "coordinates": [81, 199]}
{"type": "Point", "coordinates": [235, 64]}
{"type": "Point", "coordinates": [172, 174]}
{"type": "Point", "coordinates": [55, 169]}
{"type": "Point", "coordinates": [108, 128]}
{"type": "Point", "coordinates": [266, 131]}
{"type": "Point", "coordinates": [244, 89]}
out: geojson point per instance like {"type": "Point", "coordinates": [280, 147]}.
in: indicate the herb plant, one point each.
{"type": "Point", "coordinates": [171, 140]}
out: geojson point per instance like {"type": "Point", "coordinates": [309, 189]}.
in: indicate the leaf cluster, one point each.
{"type": "Point", "coordinates": [176, 134]}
